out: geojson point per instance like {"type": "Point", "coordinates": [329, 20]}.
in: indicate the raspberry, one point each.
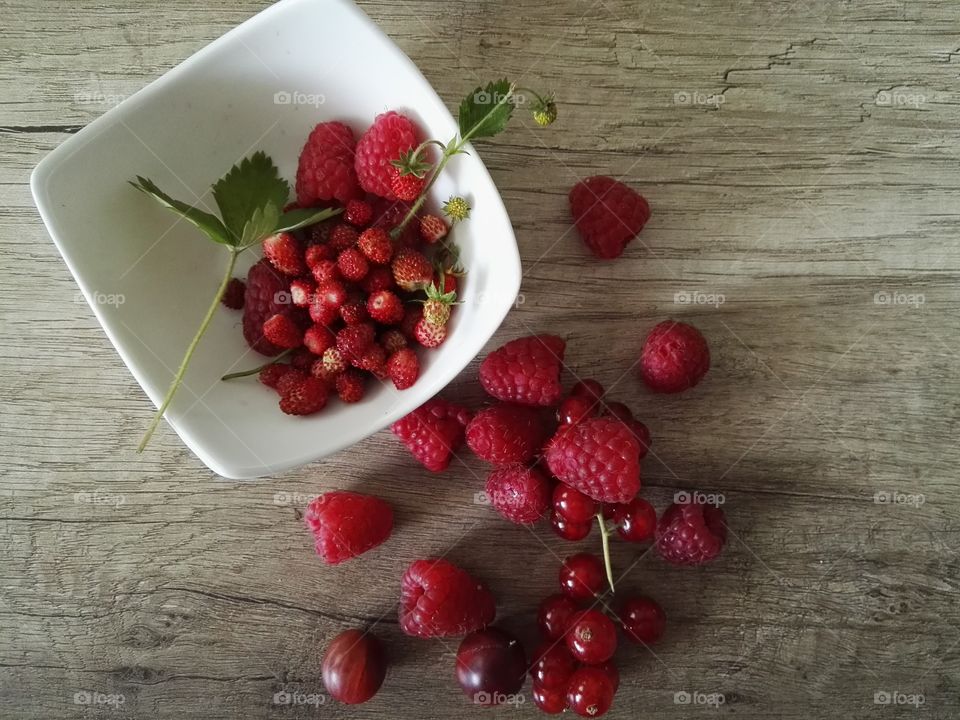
{"type": "Point", "coordinates": [691, 533]}
{"type": "Point", "coordinates": [317, 339]}
{"type": "Point", "coordinates": [358, 213]}
{"type": "Point", "coordinates": [433, 432]}
{"type": "Point", "coordinates": [600, 457]}
{"type": "Point", "coordinates": [233, 294]}
{"type": "Point", "coordinates": [406, 187]}
{"type": "Point", "coordinates": [347, 524]}
{"type": "Point", "coordinates": [315, 253]}
{"type": "Point", "coordinates": [284, 253]}
{"type": "Point", "coordinates": [675, 357]}
{"type": "Point", "coordinates": [520, 494]}
{"type": "Point", "coordinates": [428, 334]}
{"type": "Point", "coordinates": [342, 237]}
{"type": "Point", "coordinates": [354, 312]}
{"type": "Point", "coordinates": [265, 296]}
{"type": "Point", "coordinates": [526, 370]}
{"type": "Point", "coordinates": [411, 269]}
{"type": "Point", "coordinates": [304, 397]}
{"type": "Point", "coordinates": [439, 599]}
{"type": "Point", "coordinates": [282, 331]}
{"type": "Point", "coordinates": [379, 278]}
{"type": "Point", "coordinates": [376, 244]}
{"type": "Point", "coordinates": [505, 434]}
{"type": "Point", "coordinates": [393, 340]}
{"type": "Point", "coordinates": [326, 167]}
{"type": "Point", "coordinates": [350, 386]}
{"type": "Point", "coordinates": [354, 340]}
{"type": "Point", "coordinates": [385, 307]}
{"type": "Point", "coordinates": [271, 374]}
{"type": "Point", "coordinates": [608, 214]}
{"type": "Point", "coordinates": [390, 135]}
{"type": "Point", "coordinates": [352, 264]}
{"type": "Point", "coordinates": [325, 271]}
{"type": "Point", "coordinates": [301, 292]}
{"type": "Point", "coordinates": [432, 229]}
{"type": "Point", "coordinates": [403, 368]}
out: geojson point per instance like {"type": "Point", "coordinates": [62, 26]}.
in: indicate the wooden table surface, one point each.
{"type": "Point", "coordinates": [801, 159]}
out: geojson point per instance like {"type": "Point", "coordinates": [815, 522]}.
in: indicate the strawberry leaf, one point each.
{"type": "Point", "coordinates": [486, 111]}
{"type": "Point", "coordinates": [296, 219]}
{"type": "Point", "coordinates": [253, 184]}
{"type": "Point", "coordinates": [209, 224]}
{"type": "Point", "coordinates": [261, 224]}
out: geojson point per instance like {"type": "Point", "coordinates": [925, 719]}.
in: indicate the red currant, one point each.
{"type": "Point", "coordinates": [610, 668]}
{"type": "Point", "coordinates": [587, 388]}
{"type": "Point", "coordinates": [573, 505]}
{"type": "Point", "coordinates": [642, 433]}
{"type": "Point", "coordinates": [643, 620]}
{"type": "Point", "coordinates": [590, 692]}
{"type": "Point", "coordinates": [574, 409]}
{"type": "Point", "coordinates": [636, 520]}
{"type": "Point", "coordinates": [556, 615]}
{"type": "Point", "coordinates": [582, 576]}
{"type": "Point", "coordinates": [569, 530]}
{"type": "Point", "coordinates": [553, 665]}
{"type": "Point", "coordinates": [592, 638]}
{"type": "Point", "coordinates": [551, 701]}
{"type": "Point", "coordinates": [620, 411]}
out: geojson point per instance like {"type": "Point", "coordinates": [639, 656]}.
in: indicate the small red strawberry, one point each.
{"type": "Point", "coordinates": [358, 213]}
{"type": "Point", "coordinates": [346, 524]}
{"type": "Point", "coordinates": [526, 370]}
{"type": "Point", "coordinates": [504, 433]}
{"type": "Point", "coordinates": [432, 229]}
{"type": "Point", "coordinates": [373, 360]}
{"type": "Point", "coordinates": [393, 340]}
{"type": "Point", "coordinates": [433, 432]}
{"type": "Point", "coordinates": [598, 456]}
{"type": "Point", "coordinates": [289, 379]}
{"type": "Point", "coordinates": [354, 312]}
{"type": "Point", "coordinates": [385, 307]}
{"type": "Point", "coordinates": [403, 368]}
{"type": "Point", "coordinates": [331, 294]}
{"type": "Point", "coordinates": [439, 599]}
{"type": "Point", "coordinates": [323, 314]}
{"type": "Point", "coordinates": [428, 334]}
{"type": "Point", "coordinates": [334, 362]}
{"type": "Point", "coordinates": [412, 315]}
{"type": "Point", "coordinates": [284, 253]}
{"type": "Point", "coordinates": [411, 269]}
{"type": "Point", "coordinates": [522, 495]}
{"type": "Point", "coordinates": [350, 386]}
{"type": "Point", "coordinates": [316, 253]}
{"type": "Point", "coordinates": [376, 245]}
{"type": "Point", "coordinates": [436, 308]}
{"type": "Point", "coordinates": [325, 271]}
{"type": "Point", "coordinates": [379, 278]}
{"type": "Point", "coordinates": [271, 374]}
{"type": "Point", "coordinates": [608, 214]}
{"type": "Point", "coordinates": [305, 396]}
{"type": "Point", "coordinates": [233, 294]}
{"type": "Point", "coordinates": [354, 340]}
{"type": "Point", "coordinates": [318, 338]}
{"type": "Point", "coordinates": [342, 237]}
{"type": "Point", "coordinates": [282, 331]}
{"type": "Point", "coordinates": [301, 292]}
{"type": "Point", "coordinates": [407, 187]}
{"type": "Point", "coordinates": [352, 264]}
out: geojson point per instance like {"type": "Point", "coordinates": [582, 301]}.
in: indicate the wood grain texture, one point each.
{"type": "Point", "coordinates": [800, 158]}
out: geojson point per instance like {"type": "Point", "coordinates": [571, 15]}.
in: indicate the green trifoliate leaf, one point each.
{"type": "Point", "coordinates": [486, 111]}
{"type": "Point", "coordinates": [296, 219]}
{"type": "Point", "coordinates": [209, 224]}
{"type": "Point", "coordinates": [252, 184]}
{"type": "Point", "coordinates": [260, 225]}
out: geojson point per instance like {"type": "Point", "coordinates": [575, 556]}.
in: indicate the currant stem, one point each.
{"type": "Point", "coordinates": [181, 371]}
{"type": "Point", "coordinates": [605, 541]}
{"type": "Point", "coordinates": [254, 371]}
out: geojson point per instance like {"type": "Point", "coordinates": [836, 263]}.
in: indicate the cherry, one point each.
{"type": "Point", "coordinates": [587, 388]}
{"type": "Point", "coordinates": [636, 520]}
{"type": "Point", "coordinates": [611, 670]}
{"type": "Point", "coordinates": [643, 620]}
{"type": "Point", "coordinates": [620, 411]}
{"type": "Point", "coordinates": [569, 530]}
{"type": "Point", "coordinates": [582, 576]}
{"type": "Point", "coordinates": [552, 701]}
{"type": "Point", "coordinates": [353, 667]}
{"type": "Point", "coordinates": [555, 616]}
{"type": "Point", "coordinates": [642, 433]}
{"type": "Point", "coordinates": [491, 665]}
{"type": "Point", "coordinates": [553, 666]}
{"type": "Point", "coordinates": [573, 505]}
{"type": "Point", "coordinates": [590, 692]}
{"type": "Point", "coordinates": [574, 409]}
{"type": "Point", "coordinates": [592, 638]}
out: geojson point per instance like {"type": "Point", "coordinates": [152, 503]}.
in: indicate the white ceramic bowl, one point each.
{"type": "Point", "coordinates": [149, 277]}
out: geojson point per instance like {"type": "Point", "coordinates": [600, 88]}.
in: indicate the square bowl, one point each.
{"type": "Point", "coordinates": [149, 277]}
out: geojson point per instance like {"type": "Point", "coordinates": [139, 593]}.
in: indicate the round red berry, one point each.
{"type": "Point", "coordinates": [592, 638]}
{"type": "Point", "coordinates": [552, 665]}
{"type": "Point", "coordinates": [375, 243]}
{"type": "Point", "coordinates": [573, 505]}
{"type": "Point", "coordinates": [582, 576]}
{"type": "Point", "coordinates": [636, 520]}
{"type": "Point", "coordinates": [385, 307]}
{"type": "Point", "coordinates": [590, 692]}
{"type": "Point", "coordinates": [589, 389]}
{"type": "Point", "coordinates": [620, 411]}
{"type": "Point", "coordinates": [576, 408]}
{"type": "Point", "coordinates": [643, 620]}
{"type": "Point", "coordinates": [353, 265]}
{"type": "Point", "coordinates": [358, 213]}
{"type": "Point", "coordinates": [555, 615]}
{"type": "Point", "coordinates": [342, 237]}
{"type": "Point", "coordinates": [550, 701]}
{"type": "Point", "coordinates": [675, 357]}
{"type": "Point", "coordinates": [569, 530]}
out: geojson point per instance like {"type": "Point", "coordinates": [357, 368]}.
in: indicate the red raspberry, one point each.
{"type": "Point", "coordinates": [326, 168]}
{"type": "Point", "coordinates": [354, 312]}
{"type": "Point", "coordinates": [608, 214]}
{"type": "Point", "coordinates": [433, 432]}
{"type": "Point", "coordinates": [316, 253]}
{"type": "Point", "coordinates": [428, 334]}
{"type": "Point", "coordinates": [284, 253]}
{"type": "Point", "coordinates": [347, 524]}
{"type": "Point", "coordinates": [318, 338]}
{"type": "Point", "coordinates": [266, 296]}
{"type": "Point", "coordinates": [406, 187]}
{"type": "Point", "coordinates": [520, 494]}
{"type": "Point", "coordinates": [390, 135]}
{"type": "Point", "coordinates": [636, 521]}
{"type": "Point", "coordinates": [526, 370]}
{"type": "Point", "coordinates": [351, 386]}
{"type": "Point", "coordinates": [411, 269]}
{"type": "Point", "coordinates": [403, 368]}
{"type": "Point", "coordinates": [432, 229]}
{"type": "Point", "coordinates": [358, 213]}
{"type": "Point", "coordinates": [354, 340]}
{"type": "Point", "coordinates": [352, 264]}
{"type": "Point", "coordinates": [301, 292]}
{"type": "Point", "coordinates": [379, 278]}
{"type": "Point", "coordinates": [643, 620]}
{"type": "Point", "coordinates": [233, 294]}
{"type": "Point", "coordinates": [385, 307]}
{"type": "Point", "coordinates": [439, 599]}
{"type": "Point", "coordinates": [305, 396]}
{"type": "Point", "coordinates": [325, 271]}
{"type": "Point", "coordinates": [342, 237]}
{"type": "Point", "coordinates": [376, 244]}
{"type": "Point", "coordinates": [393, 340]}
{"type": "Point", "coordinates": [282, 331]}
{"type": "Point", "coordinates": [271, 374]}
{"type": "Point", "coordinates": [600, 457]}
{"type": "Point", "coordinates": [505, 433]}
{"type": "Point", "coordinates": [691, 533]}
{"type": "Point", "coordinates": [675, 357]}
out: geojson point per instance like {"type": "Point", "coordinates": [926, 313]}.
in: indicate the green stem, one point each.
{"type": "Point", "coordinates": [181, 371]}
{"type": "Point", "coordinates": [605, 541]}
{"type": "Point", "coordinates": [245, 373]}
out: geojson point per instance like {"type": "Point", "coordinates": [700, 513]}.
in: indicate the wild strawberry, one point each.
{"type": "Point", "coordinates": [271, 374]}
{"type": "Point", "coordinates": [436, 308]}
{"type": "Point", "coordinates": [358, 213]}
{"type": "Point", "coordinates": [403, 368]}
{"type": "Point", "coordinates": [334, 362]}
{"type": "Point", "coordinates": [411, 269]}
{"type": "Point", "coordinates": [316, 253]}
{"type": "Point", "coordinates": [406, 187]}
{"type": "Point", "coordinates": [304, 397]}
{"type": "Point", "coordinates": [282, 332]}
{"type": "Point", "coordinates": [354, 340]}
{"type": "Point", "coordinates": [352, 264]}
{"type": "Point", "coordinates": [301, 292]}
{"type": "Point", "coordinates": [342, 237]}
{"type": "Point", "coordinates": [432, 229]}
{"type": "Point", "coordinates": [233, 294]}
{"type": "Point", "coordinates": [390, 135]}
{"type": "Point", "coordinates": [326, 167]}
{"type": "Point", "coordinates": [289, 379]}
{"type": "Point", "coordinates": [350, 386]}
{"type": "Point", "coordinates": [265, 296]}
{"type": "Point", "coordinates": [412, 315]}
{"type": "Point", "coordinates": [373, 360]}
{"type": "Point", "coordinates": [318, 338]}
{"type": "Point", "coordinates": [325, 271]}
{"type": "Point", "coordinates": [322, 314]}
{"type": "Point", "coordinates": [302, 359]}
{"type": "Point", "coordinates": [385, 307]}
{"type": "Point", "coordinates": [393, 340]}
{"type": "Point", "coordinates": [284, 253]}
{"type": "Point", "coordinates": [376, 244]}
{"type": "Point", "coordinates": [354, 312]}
{"type": "Point", "coordinates": [428, 334]}
{"type": "Point", "coordinates": [446, 281]}
{"type": "Point", "coordinates": [332, 294]}
{"type": "Point", "coordinates": [379, 278]}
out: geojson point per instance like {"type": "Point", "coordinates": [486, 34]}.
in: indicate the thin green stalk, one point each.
{"type": "Point", "coordinates": [181, 371]}
{"type": "Point", "coordinates": [605, 541]}
{"type": "Point", "coordinates": [254, 371]}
